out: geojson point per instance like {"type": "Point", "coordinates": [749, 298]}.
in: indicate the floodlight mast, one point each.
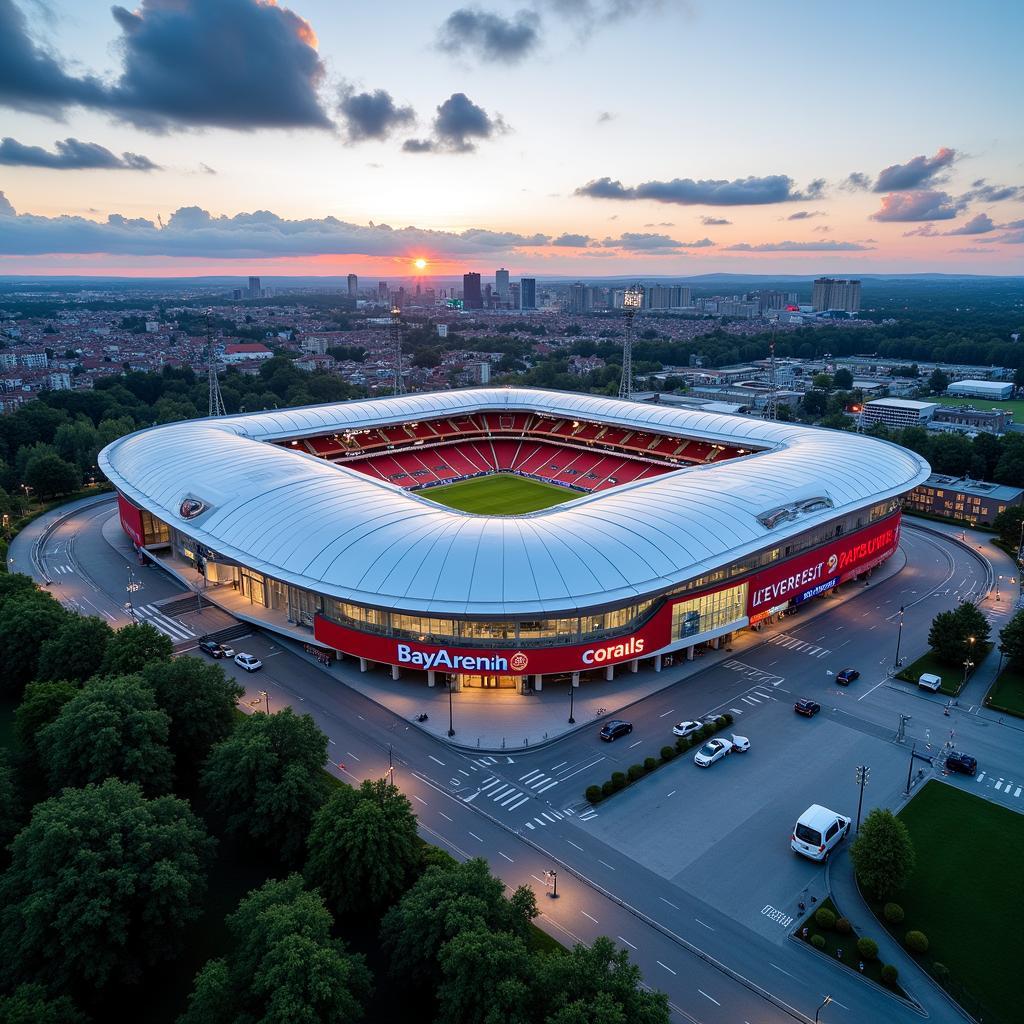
{"type": "Point", "coordinates": [398, 387]}
{"type": "Point", "coordinates": [631, 303]}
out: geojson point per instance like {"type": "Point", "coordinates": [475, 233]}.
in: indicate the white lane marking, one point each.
{"type": "Point", "coordinates": [605, 863]}
{"type": "Point", "coordinates": [469, 799]}
{"type": "Point", "coordinates": [515, 796]}
{"type": "Point", "coordinates": [583, 769]}
{"type": "Point", "coordinates": [699, 921]}
{"type": "Point", "coordinates": [980, 777]}
{"type": "Point", "coordinates": [462, 771]}
{"type": "Point", "coordinates": [560, 764]}
{"type": "Point", "coordinates": [421, 800]}
{"type": "Point", "coordinates": [1017, 791]}
{"type": "Point", "coordinates": [673, 793]}
{"type": "Point", "coordinates": [637, 744]}
{"type": "Point", "coordinates": [502, 791]}
{"type": "Point", "coordinates": [736, 711]}
{"type": "Point", "coordinates": [571, 843]}
{"type": "Point", "coordinates": [437, 759]}
{"type": "Point", "coordinates": [489, 783]}
{"type": "Point", "coordinates": [530, 775]}
{"type": "Point", "coordinates": [587, 817]}
{"type": "Point", "coordinates": [522, 800]}
{"type": "Point", "coordinates": [530, 825]}
{"type": "Point", "coordinates": [585, 914]}
{"type": "Point", "coordinates": [476, 837]}
{"type": "Point", "coordinates": [778, 968]}
{"type": "Point", "coordinates": [999, 785]}
{"type": "Point", "coordinates": [667, 713]}
{"type": "Point", "coordinates": [445, 816]}
{"type": "Point", "coordinates": [506, 856]}
{"type": "Point", "coordinates": [666, 966]}
{"type": "Point", "coordinates": [626, 941]}
{"type": "Point", "coordinates": [669, 902]}
{"type": "Point", "coordinates": [541, 781]}
{"type": "Point", "coordinates": [704, 994]}
{"type": "Point", "coordinates": [353, 756]}
{"type": "Point", "coordinates": [548, 786]}
{"type": "Point", "coordinates": [332, 741]}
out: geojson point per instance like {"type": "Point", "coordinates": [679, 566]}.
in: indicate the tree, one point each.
{"type": "Point", "coordinates": [284, 966]}
{"type": "Point", "coordinates": [78, 444]}
{"type": "Point", "coordinates": [364, 850]}
{"type": "Point", "coordinates": [112, 728]}
{"type": "Point", "coordinates": [40, 706]}
{"type": "Point", "coordinates": [442, 903]}
{"type": "Point", "coordinates": [938, 381]}
{"type": "Point", "coordinates": [76, 650]}
{"type": "Point", "coordinates": [10, 801]}
{"type": "Point", "coordinates": [485, 977]}
{"type": "Point", "coordinates": [882, 854]}
{"type": "Point", "coordinates": [951, 632]}
{"type": "Point", "coordinates": [200, 702]}
{"type": "Point", "coordinates": [26, 620]}
{"type": "Point", "coordinates": [133, 647]}
{"type": "Point", "coordinates": [102, 883]}
{"type": "Point", "coordinates": [822, 382]}
{"type": "Point", "coordinates": [842, 379]}
{"type": "Point", "coordinates": [33, 1004]}
{"type": "Point", "coordinates": [49, 475]}
{"type": "Point", "coordinates": [267, 780]}
{"type": "Point", "coordinates": [1009, 523]}
{"type": "Point", "coordinates": [1011, 639]}
{"type": "Point", "coordinates": [814, 403]}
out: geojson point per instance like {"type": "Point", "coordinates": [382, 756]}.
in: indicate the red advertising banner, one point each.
{"type": "Point", "coordinates": [814, 570]}
{"type": "Point", "coordinates": [131, 519]}
{"type": "Point", "coordinates": [503, 661]}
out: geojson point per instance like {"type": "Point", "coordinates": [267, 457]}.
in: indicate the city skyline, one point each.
{"type": "Point", "coordinates": [472, 140]}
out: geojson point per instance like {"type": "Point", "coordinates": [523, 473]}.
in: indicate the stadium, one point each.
{"type": "Point", "coordinates": [505, 537]}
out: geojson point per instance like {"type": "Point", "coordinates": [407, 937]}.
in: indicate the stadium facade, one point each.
{"type": "Point", "coordinates": [680, 527]}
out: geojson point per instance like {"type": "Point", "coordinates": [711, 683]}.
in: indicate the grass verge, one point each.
{"type": "Point", "coordinates": [499, 494]}
{"type": "Point", "coordinates": [1007, 693]}
{"type": "Point", "coordinates": [952, 675]}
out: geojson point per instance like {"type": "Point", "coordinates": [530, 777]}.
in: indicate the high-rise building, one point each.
{"type": "Point", "coordinates": [382, 291]}
{"type": "Point", "coordinates": [830, 293]}
{"type": "Point", "coordinates": [501, 284]}
{"type": "Point", "coordinates": [513, 296]}
{"type": "Point", "coordinates": [255, 292]}
{"type": "Point", "coordinates": [472, 298]}
{"type": "Point", "coordinates": [353, 286]}
{"type": "Point", "coordinates": [528, 293]}
{"type": "Point", "coordinates": [661, 296]}
{"type": "Point", "coordinates": [581, 298]}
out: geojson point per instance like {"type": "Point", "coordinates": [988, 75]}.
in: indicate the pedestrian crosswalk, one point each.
{"type": "Point", "coordinates": [1000, 784]}
{"type": "Point", "coordinates": [500, 792]}
{"type": "Point", "coordinates": [550, 818]}
{"type": "Point", "coordinates": [792, 643]}
{"type": "Point", "coordinates": [538, 781]}
{"type": "Point", "coordinates": [177, 631]}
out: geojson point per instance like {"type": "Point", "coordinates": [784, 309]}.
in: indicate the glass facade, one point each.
{"type": "Point", "coordinates": [709, 611]}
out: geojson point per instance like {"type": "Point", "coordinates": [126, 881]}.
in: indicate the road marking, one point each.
{"type": "Point", "coordinates": [704, 994]}
{"type": "Point", "coordinates": [560, 764]}
{"type": "Point", "coordinates": [587, 817]}
{"type": "Point", "coordinates": [673, 793]}
{"type": "Point", "coordinates": [421, 800]}
{"type": "Point", "coordinates": [437, 759]}
{"type": "Point", "coordinates": [667, 713]}
{"type": "Point", "coordinates": [506, 856]}
{"type": "Point", "coordinates": [669, 902]}
{"type": "Point", "coordinates": [586, 915]}
{"type": "Point", "coordinates": [605, 863]}
{"type": "Point", "coordinates": [980, 777]}
{"type": "Point", "coordinates": [999, 785]}
{"type": "Point", "coordinates": [584, 768]}
{"type": "Point", "coordinates": [571, 843]}
{"type": "Point", "coordinates": [445, 816]}
{"type": "Point", "coordinates": [519, 802]}
{"type": "Point", "coordinates": [626, 941]}
{"type": "Point", "coordinates": [476, 837]}
{"type": "Point", "coordinates": [637, 744]}
{"type": "Point", "coordinates": [469, 799]}
{"type": "Point", "coordinates": [530, 775]}
{"type": "Point", "coordinates": [515, 796]}
{"type": "Point", "coordinates": [529, 825]}
{"type": "Point", "coordinates": [353, 756]}
{"type": "Point", "coordinates": [544, 789]}
{"type": "Point", "coordinates": [330, 741]}
{"type": "Point", "coordinates": [1017, 791]}
{"type": "Point", "coordinates": [736, 711]}
{"type": "Point", "coordinates": [699, 921]}
{"type": "Point", "coordinates": [666, 966]}
{"type": "Point", "coordinates": [778, 968]}
{"type": "Point", "coordinates": [462, 771]}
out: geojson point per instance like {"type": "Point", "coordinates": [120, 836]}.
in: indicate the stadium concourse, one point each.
{"type": "Point", "coordinates": [672, 529]}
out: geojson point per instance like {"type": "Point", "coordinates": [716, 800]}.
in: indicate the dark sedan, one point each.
{"type": "Point", "coordinates": [614, 729]}
{"type": "Point", "coordinates": [957, 761]}
{"type": "Point", "coordinates": [847, 676]}
{"type": "Point", "coordinates": [807, 707]}
{"type": "Point", "coordinates": [211, 647]}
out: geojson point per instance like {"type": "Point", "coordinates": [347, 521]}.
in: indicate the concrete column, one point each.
{"type": "Point", "coordinates": [575, 679]}
{"type": "Point", "coordinates": [634, 665]}
{"type": "Point", "coordinates": [715, 643]}
{"type": "Point", "coordinates": [609, 673]}
{"type": "Point", "coordinates": [364, 665]}
{"type": "Point", "coordinates": [689, 653]}
{"type": "Point", "coordinates": [431, 678]}
{"type": "Point", "coordinates": [538, 683]}
{"type": "Point", "coordinates": [395, 672]}
{"type": "Point", "coordinates": [657, 663]}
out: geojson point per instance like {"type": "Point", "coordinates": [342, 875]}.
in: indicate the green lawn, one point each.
{"type": "Point", "coordinates": [966, 895]}
{"type": "Point", "coordinates": [951, 675]}
{"type": "Point", "coordinates": [1007, 693]}
{"type": "Point", "coordinates": [499, 495]}
{"type": "Point", "coordinates": [1015, 406]}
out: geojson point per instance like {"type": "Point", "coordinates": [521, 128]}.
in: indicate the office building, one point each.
{"type": "Point", "coordinates": [472, 297]}
{"type": "Point", "coordinates": [382, 291]}
{"type": "Point", "coordinates": [528, 293]}
{"type": "Point", "coordinates": [830, 293]}
{"type": "Point", "coordinates": [897, 413]}
{"type": "Point", "coordinates": [581, 298]}
{"type": "Point", "coordinates": [353, 286]}
{"type": "Point", "coordinates": [255, 292]}
{"type": "Point", "coordinates": [995, 390]}
{"type": "Point", "coordinates": [659, 296]}
{"type": "Point", "coordinates": [966, 500]}
{"type": "Point", "coordinates": [501, 284]}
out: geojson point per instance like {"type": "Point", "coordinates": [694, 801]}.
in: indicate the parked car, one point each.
{"type": "Point", "coordinates": [847, 676]}
{"type": "Point", "coordinates": [712, 751]}
{"type": "Point", "coordinates": [930, 681]}
{"type": "Point", "coordinates": [614, 729]}
{"type": "Point", "coordinates": [740, 744]}
{"type": "Point", "coordinates": [248, 661]}
{"type": "Point", "coordinates": [211, 647]}
{"type": "Point", "coordinates": [818, 831]}
{"type": "Point", "coordinates": [229, 651]}
{"type": "Point", "coordinates": [957, 761]}
{"type": "Point", "coordinates": [807, 707]}
{"type": "Point", "coordinates": [685, 728]}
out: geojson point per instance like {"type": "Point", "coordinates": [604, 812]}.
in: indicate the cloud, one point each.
{"type": "Point", "coordinates": [460, 122]}
{"type": "Point", "coordinates": [992, 193]}
{"type": "Point", "coordinates": [752, 191]}
{"type": "Point", "coordinates": [805, 215]}
{"type": "Point", "coordinates": [856, 182]}
{"type": "Point", "coordinates": [822, 229]}
{"type": "Point", "coordinates": [923, 204]}
{"type": "Point", "coordinates": [714, 222]}
{"type": "Point", "coordinates": [918, 172]}
{"type": "Point", "coordinates": [71, 154]}
{"type": "Point", "coordinates": [980, 224]}
{"type": "Point", "coordinates": [417, 146]}
{"type": "Point", "coordinates": [489, 36]}
{"type": "Point", "coordinates": [206, 168]}
{"type": "Point", "coordinates": [194, 232]}
{"type": "Point", "coordinates": [824, 245]}
{"type": "Point", "coordinates": [585, 17]}
{"type": "Point", "coordinates": [605, 116]}
{"type": "Point", "coordinates": [241, 64]}
{"type": "Point", "coordinates": [634, 241]}
{"type": "Point", "coordinates": [572, 241]}
{"type": "Point", "coordinates": [972, 249]}
{"type": "Point", "coordinates": [371, 115]}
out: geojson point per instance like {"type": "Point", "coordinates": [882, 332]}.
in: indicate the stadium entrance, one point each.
{"type": "Point", "coordinates": [488, 681]}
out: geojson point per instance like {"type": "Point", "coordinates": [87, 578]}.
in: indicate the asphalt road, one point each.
{"type": "Point", "coordinates": [690, 870]}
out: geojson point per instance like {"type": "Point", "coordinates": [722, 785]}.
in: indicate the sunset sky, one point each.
{"type": "Point", "coordinates": [583, 137]}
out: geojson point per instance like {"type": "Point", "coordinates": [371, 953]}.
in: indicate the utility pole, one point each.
{"type": "Point", "coordinates": [899, 638]}
{"type": "Point", "coordinates": [572, 721]}
{"type": "Point", "coordinates": [631, 303]}
{"type": "Point", "coordinates": [216, 403]}
{"type": "Point", "coordinates": [863, 774]}
{"type": "Point", "coordinates": [901, 732]}
{"type": "Point", "coordinates": [451, 726]}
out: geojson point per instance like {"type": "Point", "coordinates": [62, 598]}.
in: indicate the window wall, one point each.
{"type": "Point", "coordinates": [709, 611]}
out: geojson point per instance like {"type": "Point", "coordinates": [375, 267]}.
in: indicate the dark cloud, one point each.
{"type": "Point", "coordinates": [194, 232]}
{"type": "Point", "coordinates": [714, 222]}
{"type": "Point", "coordinates": [489, 36]}
{"type": "Point", "coordinates": [72, 154]}
{"type": "Point", "coordinates": [856, 182]}
{"type": "Point", "coordinates": [585, 17]}
{"type": "Point", "coordinates": [822, 229]}
{"type": "Point", "coordinates": [825, 245]}
{"type": "Point", "coordinates": [986, 193]}
{"type": "Point", "coordinates": [417, 146]}
{"type": "Point", "coordinates": [372, 115]}
{"type": "Point", "coordinates": [980, 224]}
{"type": "Point", "coordinates": [605, 116]}
{"type": "Point", "coordinates": [572, 241]}
{"type": "Point", "coordinates": [919, 172]}
{"type": "Point", "coordinates": [460, 122]}
{"type": "Point", "coordinates": [638, 242]}
{"type": "Point", "coordinates": [805, 215]}
{"type": "Point", "coordinates": [752, 191]}
{"type": "Point", "coordinates": [240, 64]}
{"type": "Point", "coordinates": [924, 204]}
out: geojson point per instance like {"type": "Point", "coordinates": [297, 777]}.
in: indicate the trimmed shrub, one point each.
{"type": "Point", "coordinates": [682, 743]}
{"type": "Point", "coordinates": [635, 772]}
{"type": "Point", "coordinates": [825, 918]}
{"type": "Point", "coordinates": [667, 753]}
{"type": "Point", "coordinates": [818, 941]}
{"type": "Point", "coordinates": [843, 926]}
{"type": "Point", "coordinates": [728, 718]}
{"type": "Point", "coordinates": [867, 948]}
{"type": "Point", "coordinates": [618, 781]}
{"type": "Point", "coordinates": [607, 788]}
{"type": "Point", "coordinates": [650, 763]}
{"type": "Point", "coordinates": [594, 794]}
{"type": "Point", "coordinates": [720, 722]}
{"type": "Point", "coordinates": [893, 913]}
{"type": "Point", "coordinates": [917, 942]}
{"type": "Point", "coordinates": [940, 972]}
{"type": "Point", "coordinates": [701, 734]}
{"type": "Point", "coordinates": [889, 974]}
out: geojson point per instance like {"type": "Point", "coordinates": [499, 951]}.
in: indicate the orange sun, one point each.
{"type": "Point", "coordinates": [420, 264]}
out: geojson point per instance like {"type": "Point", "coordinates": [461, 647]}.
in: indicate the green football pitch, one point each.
{"type": "Point", "coordinates": [499, 495]}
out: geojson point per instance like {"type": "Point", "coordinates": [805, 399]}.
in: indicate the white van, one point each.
{"type": "Point", "coordinates": [817, 831]}
{"type": "Point", "coordinates": [930, 682]}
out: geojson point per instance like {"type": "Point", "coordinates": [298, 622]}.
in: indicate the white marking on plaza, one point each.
{"type": "Point", "coordinates": [541, 880]}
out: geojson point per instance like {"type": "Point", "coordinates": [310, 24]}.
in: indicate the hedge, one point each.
{"type": "Point", "coordinates": [668, 753]}
{"type": "Point", "coordinates": [824, 918]}
{"type": "Point", "coordinates": [650, 763]}
{"type": "Point", "coordinates": [867, 948]}
{"type": "Point", "coordinates": [636, 771]}
{"type": "Point", "coordinates": [893, 913]}
{"type": "Point", "coordinates": [917, 941]}
{"type": "Point", "coordinates": [889, 974]}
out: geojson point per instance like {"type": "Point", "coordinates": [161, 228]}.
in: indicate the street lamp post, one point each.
{"type": "Point", "coordinates": [863, 774]}
{"type": "Point", "coordinates": [451, 725]}
{"type": "Point", "coordinates": [553, 875]}
{"type": "Point", "coordinates": [824, 1003]}
{"type": "Point", "coordinates": [572, 689]}
{"type": "Point", "coordinates": [998, 578]}
{"type": "Point", "coordinates": [968, 661]}
{"type": "Point", "coordinates": [266, 697]}
{"type": "Point", "coordinates": [133, 586]}
{"type": "Point", "coordinates": [899, 639]}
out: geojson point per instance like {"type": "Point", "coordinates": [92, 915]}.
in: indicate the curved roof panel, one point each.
{"type": "Point", "coordinates": [339, 532]}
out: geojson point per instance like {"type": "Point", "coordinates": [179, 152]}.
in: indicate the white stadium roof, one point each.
{"type": "Point", "coordinates": [336, 531]}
